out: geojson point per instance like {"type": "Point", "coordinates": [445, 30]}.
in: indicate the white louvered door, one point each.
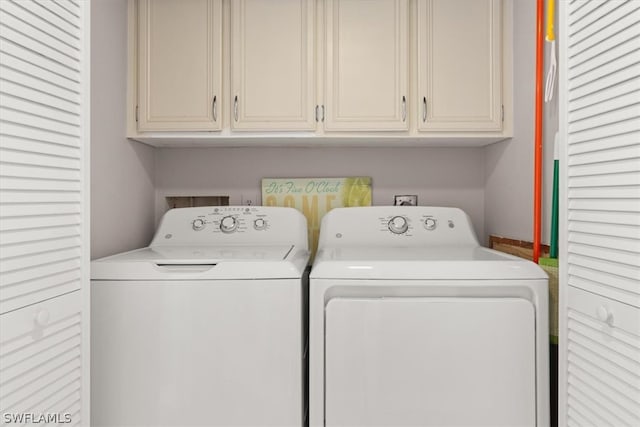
{"type": "Point", "coordinates": [44, 244]}
{"type": "Point", "coordinates": [600, 213]}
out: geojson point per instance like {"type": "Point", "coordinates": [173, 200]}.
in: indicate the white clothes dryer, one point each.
{"type": "Point", "coordinates": [207, 325]}
{"type": "Point", "coordinates": [413, 323]}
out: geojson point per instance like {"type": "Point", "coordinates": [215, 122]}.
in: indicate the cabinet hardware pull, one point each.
{"type": "Point", "coordinates": [317, 108]}
{"type": "Point", "coordinates": [214, 108]}
{"type": "Point", "coordinates": [404, 108]}
{"type": "Point", "coordinates": [235, 108]}
{"type": "Point", "coordinates": [424, 109]}
{"type": "Point", "coordinates": [322, 119]}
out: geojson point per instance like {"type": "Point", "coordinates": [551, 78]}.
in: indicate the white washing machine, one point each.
{"type": "Point", "coordinates": [206, 326]}
{"type": "Point", "coordinates": [412, 323]}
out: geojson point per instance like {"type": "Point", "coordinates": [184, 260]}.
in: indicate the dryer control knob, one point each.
{"type": "Point", "coordinates": [198, 224]}
{"type": "Point", "coordinates": [228, 224]}
{"type": "Point", "coordinates": [398, 225]}
{"type": "Point", "coordinates": [430, 224]}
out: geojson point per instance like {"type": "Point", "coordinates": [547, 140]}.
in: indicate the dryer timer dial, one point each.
{"type": "Point", "coordinates": [398, 225]}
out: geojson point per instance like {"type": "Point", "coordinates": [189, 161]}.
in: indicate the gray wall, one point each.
{"type": "Point", "coordinates": [122, 172]}
{"type": "Point", "coordinates": [509, 164]}
{"type": "Point", "coordinates": [439, 176]}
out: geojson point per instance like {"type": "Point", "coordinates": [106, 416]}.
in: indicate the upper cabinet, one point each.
{"type": "Point", "coordinates": [313, 72]}
{"type": "Point", "coordinates": [272, 65]}
{"type": "Point", "coordinates": [459, 45]}
{"type": "Point", "coordinates": [179, 65]}
{"type": "Point", "coordinates": [366, 68]}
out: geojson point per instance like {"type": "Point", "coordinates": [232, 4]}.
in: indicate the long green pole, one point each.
{"type": "Point", "coordinates": [553, 246]}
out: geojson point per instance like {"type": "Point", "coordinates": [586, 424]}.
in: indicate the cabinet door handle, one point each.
{"type": "Point", "coordinates": [214, 108]}
{"type": "Point", "coordinates": [424, 109]}
{"type": "Point", "coordinates": [404, 108]}
{"type": "Point", "coordinates": [235, 108]}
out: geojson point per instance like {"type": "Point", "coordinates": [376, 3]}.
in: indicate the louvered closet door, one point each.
{"type": "Point", "coordinates": [44, 83]}
{"type": "Point", "coordinates": [41, 360]}
{"type": "Point", "coordinates": [600, 216]}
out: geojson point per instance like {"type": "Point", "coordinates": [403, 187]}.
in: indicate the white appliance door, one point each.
{"type": "Point", "coordinates": [430, 362]}
{"type": "Point", "coordinates": [214, 353]}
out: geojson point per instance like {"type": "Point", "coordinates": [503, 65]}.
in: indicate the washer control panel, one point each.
{"type": "Point", "coordinates": [389, 225]}
{"type": "Point", "coordinates": [231, 224]}
{"type": "Point", "coordinates": [229, 220]}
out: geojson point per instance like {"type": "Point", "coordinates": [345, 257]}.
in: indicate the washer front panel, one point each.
{"type": "Point", "coordinates": [199, 353]}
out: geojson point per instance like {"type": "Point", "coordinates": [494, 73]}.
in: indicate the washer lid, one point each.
{"type": "Point", "coordinates": [182, 255]}
{"type": "Point", "coordinates": [201, 263]}
{"type": "Point", "coordinates": [422, 263]}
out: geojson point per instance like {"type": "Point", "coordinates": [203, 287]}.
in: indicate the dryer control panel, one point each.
{"type": "Point", "coordinates": [397, 226]}
{"type": "Point", "coordinates": [260, 225]}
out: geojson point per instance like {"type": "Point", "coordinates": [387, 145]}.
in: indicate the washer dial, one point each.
{"type": "Point", "coordinates": [198, 224]}
{"type": "Point", "coordinates": [260, 224]}
{"type": "Point", "coordinates": [228, 224]}
{"type": "Point", "coordinates": [398, 225]}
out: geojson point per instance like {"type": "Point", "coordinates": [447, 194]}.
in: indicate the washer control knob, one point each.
{"type": "Point", "coordinates": [398, 225]}
{"type": "Point", "coordinates": [430, 224]}
{"type": "Point", "coordinates": [198, 224]}
{"type": "Point", "coordinates": [228, 224]}
{"type": "Point", "coordinates": [260, 224]}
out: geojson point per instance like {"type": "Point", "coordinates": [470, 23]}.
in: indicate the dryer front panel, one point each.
{"type": "Point", "coordinates": [430, 361]}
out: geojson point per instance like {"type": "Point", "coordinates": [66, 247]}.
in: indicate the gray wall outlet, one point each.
{"type": "Point", "coordinates": [405, 200]}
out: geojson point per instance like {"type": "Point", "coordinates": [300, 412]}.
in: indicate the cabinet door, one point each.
{"type": "Point", "coordinates": [179, 64]}
{"type": "Point", "coordinates": [272, 68]}
{"type": "Point", "coordinates": [366, 65]}
{"type": "Point", "coordinates": [459, 65]}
